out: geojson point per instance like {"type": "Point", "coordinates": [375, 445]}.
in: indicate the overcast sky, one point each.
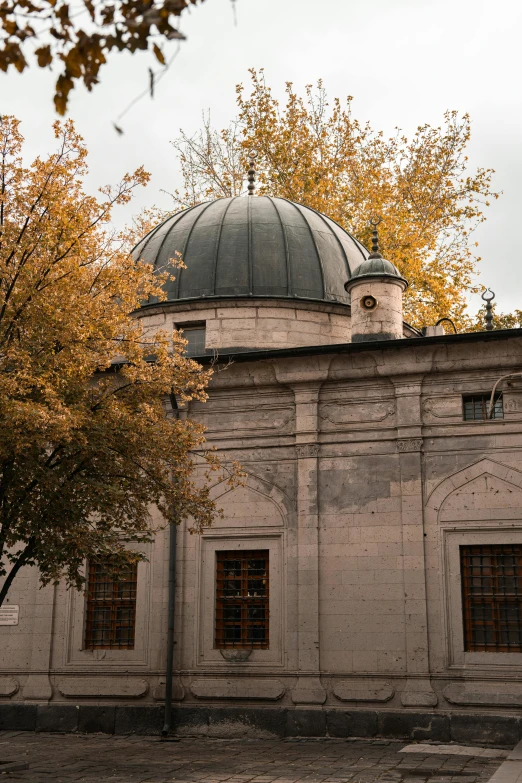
{"type": "Point", "coordinates": [404, 61]}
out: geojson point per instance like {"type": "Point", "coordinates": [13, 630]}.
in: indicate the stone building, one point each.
{"type": "Point", "coordinates": [367, 578]}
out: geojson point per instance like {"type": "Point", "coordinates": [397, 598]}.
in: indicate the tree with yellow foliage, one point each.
{"type": "Point", "coordinates": [318, 154]}
{"type": "Point", "coordinates": [86, 446]}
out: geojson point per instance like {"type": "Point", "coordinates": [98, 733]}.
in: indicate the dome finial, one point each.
{"type": "Point", "coordinates": [489, 309]}
{"type": "Point", "coordinates": [252, 172]}
{"type": "Point", "coordinates": [374, 222]}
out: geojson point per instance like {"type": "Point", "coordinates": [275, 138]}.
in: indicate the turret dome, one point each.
{"type": "Point", "coordinates": [376, 267]}
{"type": "Point", "coordinates": [254, 247]}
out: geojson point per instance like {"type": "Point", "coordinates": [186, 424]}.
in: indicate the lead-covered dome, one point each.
{"type": "Point", "coordinates": [255, 246]}
{"type": "Point", "coordinates": [377, 266]}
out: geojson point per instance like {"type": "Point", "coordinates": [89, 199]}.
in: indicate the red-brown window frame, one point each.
{"type": "Point", "coordinates": [242, 592]}
{"type": "Point", "coordinates": [110, 621]}
{"type": "Point", "coordinates": [492, 597]}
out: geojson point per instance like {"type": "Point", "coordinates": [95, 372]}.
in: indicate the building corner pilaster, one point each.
{"type": "Point", "coordinates": [418, 690]}
{"type": "Point", "coordinates": [37, 686]}
{"type": "Point", "coordinates": [308, 689]}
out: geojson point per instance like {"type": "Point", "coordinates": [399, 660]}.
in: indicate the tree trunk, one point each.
{"type": "Point", "coordinates": [21, 561]}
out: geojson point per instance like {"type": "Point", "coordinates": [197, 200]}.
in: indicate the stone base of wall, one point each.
{"type": "Point", "coordinates": [466, 728]}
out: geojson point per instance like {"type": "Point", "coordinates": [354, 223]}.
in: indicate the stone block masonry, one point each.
{"type": "Point", "coordinates": [93, 758]}
{"type": "Point", "coordinates": [267, 722]}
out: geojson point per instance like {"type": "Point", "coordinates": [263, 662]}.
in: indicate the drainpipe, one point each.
{"type": "Point", "coordinates": [170, 633]}
{"type": "Point", "coordinates": [167, 725]}
{"type": "Point", "coordinates": [492, 398]}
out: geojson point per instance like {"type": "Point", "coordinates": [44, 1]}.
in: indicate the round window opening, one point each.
{"type": "Point", "coordinates": [368, 302]}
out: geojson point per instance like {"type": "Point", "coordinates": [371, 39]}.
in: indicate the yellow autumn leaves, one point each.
{"type": "Point", "coordinates": [86, 447]}
{"type": "Point", "coordinates": [77, 43]}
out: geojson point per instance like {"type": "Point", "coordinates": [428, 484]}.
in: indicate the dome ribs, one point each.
{"type": "Point", "coordinates": [168, 223]}
{"type": "Point", "coordinates": [287, 252]}
{"type": "Point", "coordinates": [312, 237]}
{"type": "Point", "coordinates": [167, 234]}
{"type": "Point", "coordinates": [232, 256]}
{"type": "Point", "coordinates": [199, 278]}
{"type": "Point", "coordinates": [249, 253]}
{"type": "Point", "coordinates": [334, 260]}
{"type": "Point", "coordinates": [140, 251]}
{"type": "Point", "coordinates": [355, 244]}
{"type": "Point", "coordinates": [269, 255]}
{"type": "Point", "coordinates": [218, 242]}
{"type": "Point", "coordinates": [341, 246]}
{"type": "Point", "coordinates": [206, 206]}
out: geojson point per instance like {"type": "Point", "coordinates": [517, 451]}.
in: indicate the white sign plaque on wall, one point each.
{"type": "Point", "coordinates": [9, 614]}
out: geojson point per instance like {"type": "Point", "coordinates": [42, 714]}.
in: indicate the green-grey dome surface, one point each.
{"type": "Point", "coordinates": [378, 267]}
{"type": "Point", "coordinates": [254, 246]}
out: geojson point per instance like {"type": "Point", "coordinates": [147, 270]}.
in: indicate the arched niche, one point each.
{"type": "Point", "coordinates": [257, 504]}
{"type": "Point", "coordinates": [484, 491]}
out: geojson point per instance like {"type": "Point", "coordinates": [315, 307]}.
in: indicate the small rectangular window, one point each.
{"type": "Point", "coordinates": [476, 407]}
{"type": "Point", "coordinates": [242, 600]}
{"type": "Point", "coordinates": [195, 334]}
{"type": "Point", "coordinates": [111, 606]}
{"type": "Point", "coordinates": [492, 597]}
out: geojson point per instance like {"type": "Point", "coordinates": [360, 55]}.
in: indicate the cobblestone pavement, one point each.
{"type": "Point", "coordinates": [63, 758]}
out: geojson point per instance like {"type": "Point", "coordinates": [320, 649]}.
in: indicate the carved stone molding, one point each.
{"type": "Point", "coordinates": [236, 656]}
{"type": "Point", "coordinates": [178, 691]}
{"type": "Point", "coordinates": [409, 444]}
{"type": "Point", "coordinates": [238, 688]}
{"type": "Point", "coordinates": [446, 407]}
{"type": "Point", "coordinates": [309, 690]}
{"type": "Point", "coordinates": [359, 412]}
{"type": "Point", "coordinates": [365, 690]}
{"type": "Point", "coordinates": [419, 699]}
{"type": "Point", "coordinates": [484, 694]}
{"type": "Point", "coordinates": [307, 450]}
{"type": "Point", "coordinates": [512, 402]}
{"type": "Point", "coordinates": [103, 687]}
{"type": "Point", "coordinates": [8, 686]}
{"type": "Point", "coordinates": [37, 686]}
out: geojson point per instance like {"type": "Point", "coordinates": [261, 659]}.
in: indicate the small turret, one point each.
{"type": "Point", "coordinates": [376, 290]}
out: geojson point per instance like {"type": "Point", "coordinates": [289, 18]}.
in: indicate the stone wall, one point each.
{"type": "Point", "coordinates": [370, 620]}
{"type": "Point", "coordinates": [362, 482]}
{"type": "Point", "coordinates": [262, 324]}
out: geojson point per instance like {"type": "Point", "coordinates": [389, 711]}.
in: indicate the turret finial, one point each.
{"type": "Point", "coordinates": [374, 222]}
{"type": "Point", "coordinates": [252, 173]}
{"type": "Point", "coordinates": [489, 309]}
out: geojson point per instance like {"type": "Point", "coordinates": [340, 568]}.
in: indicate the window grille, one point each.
{"type": "Point", "coordinates": [492, 597]}
{"type": "Point", "coordinates": [242, 595]}
{"type": "Point", "coordinates": [476, 407]}
{"type": "Point", "coordinates": [111, 606]}
{"type": "Point", "coordinates": [195, 334]}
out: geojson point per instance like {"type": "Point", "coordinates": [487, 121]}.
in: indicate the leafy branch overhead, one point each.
{"type": "Point", "coordinates": [79, 37]}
